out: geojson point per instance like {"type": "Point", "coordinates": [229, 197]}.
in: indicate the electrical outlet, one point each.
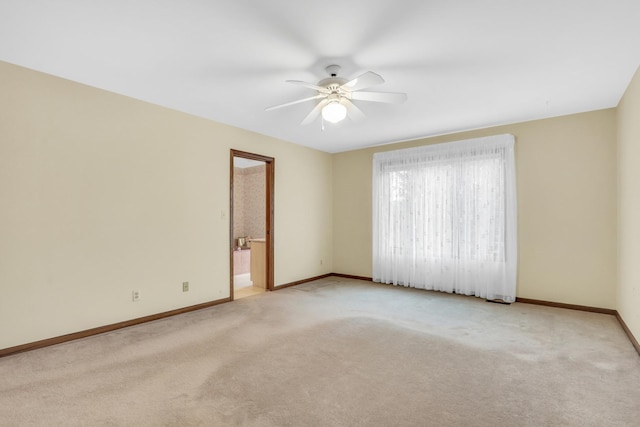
{"type": "Point", "coordinates": [185, 286]}
{"type": "Point", "coordinates": [135, 295]}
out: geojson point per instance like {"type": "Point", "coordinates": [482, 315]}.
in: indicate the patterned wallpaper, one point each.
{"type": "Point", "coordinates": [249, 186]}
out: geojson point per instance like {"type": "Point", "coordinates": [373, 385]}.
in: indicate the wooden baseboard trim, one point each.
{"type": "Point", "coordinates": [567, 306]}
{"type": "Point", "coordinates": [350, 276]}
{"type": "Point", "coordinates": [300, 282]}
{"type": "Point", "coordinates": [107, 328]}
{"type": "Point", "coordinates": [634, 341]}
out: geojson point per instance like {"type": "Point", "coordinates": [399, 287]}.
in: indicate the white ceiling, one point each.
{"type": "Point", "coordinates": [464, 64]}
{"type": "Point", "coordinates": [242, 163]}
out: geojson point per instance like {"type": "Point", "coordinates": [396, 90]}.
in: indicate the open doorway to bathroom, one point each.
{"type": "Point", "coordinates": [251, 224]}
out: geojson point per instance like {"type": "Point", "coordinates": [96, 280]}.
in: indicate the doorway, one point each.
{"type": "Point", "coordinates": [251, 224]}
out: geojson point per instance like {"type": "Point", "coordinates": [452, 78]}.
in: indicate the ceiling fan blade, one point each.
{"type": "Point", "coordinates": [275, 107]}
{"type": "Point", "coordinates": [353, 112]}
{"type": "Point", "coordinates": [308, 85]}
{"type": "Point", "coordinates": [313, 115]}
{"type": "Point", "coordinates": [363, 81]}
{"type": "Point", "coordinates": [388, 97]}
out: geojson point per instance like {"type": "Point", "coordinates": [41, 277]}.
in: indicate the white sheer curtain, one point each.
{"type": "Point", "coordinates": [444, 217]}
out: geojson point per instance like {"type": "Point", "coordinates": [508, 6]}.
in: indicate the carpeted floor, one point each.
{"type": "Point", "coordinates": [336, 352]}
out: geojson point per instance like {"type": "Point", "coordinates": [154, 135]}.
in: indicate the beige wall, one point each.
{"type": "Point", "coordinates": [566, 181]}
{"type": "Point", "coordinates": [102, 194]}
{"type": "Point", "coordinates": [629, 206]}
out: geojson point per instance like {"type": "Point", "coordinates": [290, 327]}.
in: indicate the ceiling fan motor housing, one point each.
{"type": "Point", "coordinates": [334, 82]}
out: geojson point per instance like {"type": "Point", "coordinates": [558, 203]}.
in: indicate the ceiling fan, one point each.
{"type": "Point", "coordinates": [336, 95]}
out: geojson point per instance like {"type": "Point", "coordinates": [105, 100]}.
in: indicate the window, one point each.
{"type": "Point", "coordinates": [444, 217]}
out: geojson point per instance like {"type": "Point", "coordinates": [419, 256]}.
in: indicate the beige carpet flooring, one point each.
{"type": "Point", "coordinates": [336, 352]}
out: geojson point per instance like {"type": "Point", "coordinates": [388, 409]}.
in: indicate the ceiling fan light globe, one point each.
{"type": "Point", "coordinates": [334, 112]}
